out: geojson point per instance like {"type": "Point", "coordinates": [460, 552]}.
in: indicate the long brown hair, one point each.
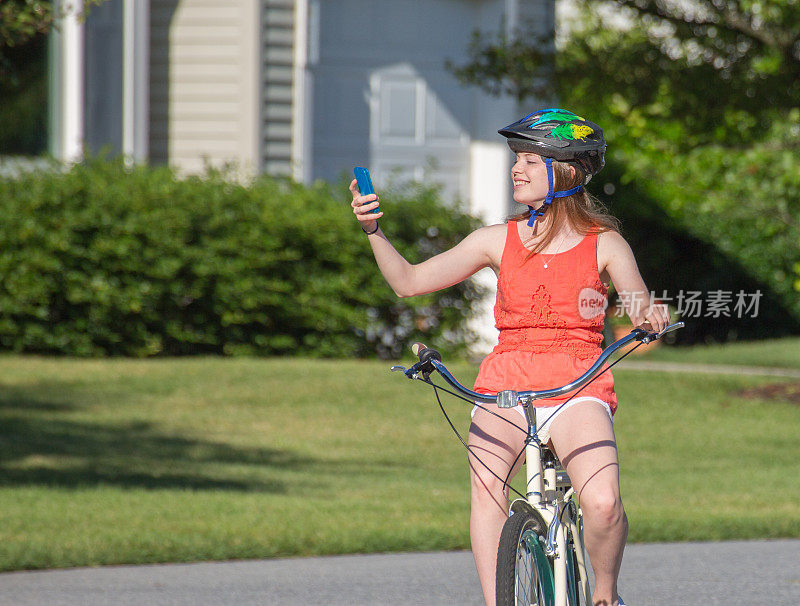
{"type": "Point", "coordinates": [582, 211]}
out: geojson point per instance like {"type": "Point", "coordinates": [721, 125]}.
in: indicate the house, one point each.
{"type": "Point", "coordinates": [308, 88]}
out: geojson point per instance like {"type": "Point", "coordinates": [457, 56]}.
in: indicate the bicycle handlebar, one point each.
{"type": "Point", "coordinates": [431, 360]}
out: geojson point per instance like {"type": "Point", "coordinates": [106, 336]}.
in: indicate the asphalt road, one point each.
{"type": "Point", "coordinates": [691, 574]}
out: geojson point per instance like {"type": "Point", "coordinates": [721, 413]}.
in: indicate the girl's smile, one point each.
{"type": "Point", "coordinates": [529, 175]}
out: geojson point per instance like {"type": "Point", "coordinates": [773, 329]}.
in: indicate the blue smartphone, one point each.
{"type": "Point", "coordinates": [365, 184]}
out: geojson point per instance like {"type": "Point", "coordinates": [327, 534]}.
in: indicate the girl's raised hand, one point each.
{"type": "Point", "coordinates": [362, 205]}
{"type": "Point", "coordinates": [657, 315]}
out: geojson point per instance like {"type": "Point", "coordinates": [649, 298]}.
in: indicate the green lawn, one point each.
{"type": "Point", "coordinates": [784, 353]}
{"type": "Point", "coordinates": [128, 461]}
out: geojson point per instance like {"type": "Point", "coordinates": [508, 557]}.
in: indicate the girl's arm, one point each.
{"type": "Point", "coordinates": [473, 253]}
{"type": "Point", "coordinates": [616, 257]}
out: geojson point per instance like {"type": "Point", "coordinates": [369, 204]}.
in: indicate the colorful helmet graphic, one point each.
{"type": "Point", "coordinates": [561, 135]}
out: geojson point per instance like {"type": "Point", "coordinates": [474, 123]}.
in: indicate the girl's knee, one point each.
{"type": "Point", "coordinates": [603, 505]}
{"type": "Point", "coordinates": [484, 487]}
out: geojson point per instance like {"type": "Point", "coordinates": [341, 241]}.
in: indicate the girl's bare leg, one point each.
{"type": "Point", "coordinates": [496, 443]}
{"type": "Point", "coordinates": [583, 438]}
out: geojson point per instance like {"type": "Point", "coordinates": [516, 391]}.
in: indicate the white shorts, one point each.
{"type": "Point", "coordinates": [546, 414]}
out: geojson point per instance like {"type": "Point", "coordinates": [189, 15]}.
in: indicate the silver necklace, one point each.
{"type": "Point", "coordinates": [563, 239]}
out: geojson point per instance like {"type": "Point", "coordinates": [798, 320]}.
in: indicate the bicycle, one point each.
{"type": "Point", "coordinates": [541, 559]}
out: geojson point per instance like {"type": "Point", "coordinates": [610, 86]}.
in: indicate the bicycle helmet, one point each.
{"type": "Point", "coordinates": [558, 134]}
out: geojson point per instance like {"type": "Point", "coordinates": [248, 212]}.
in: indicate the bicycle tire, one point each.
{"type": "Point", "coordinates": [575, 595]}
{"type": "Point", "coordinates": [524, 573]}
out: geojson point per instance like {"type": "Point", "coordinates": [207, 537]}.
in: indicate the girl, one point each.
{"type": "Point", "coordinates": [553, 264]}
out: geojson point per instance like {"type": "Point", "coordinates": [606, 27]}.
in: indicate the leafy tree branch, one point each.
{"type": "Point", "coordinates": [21, 20]}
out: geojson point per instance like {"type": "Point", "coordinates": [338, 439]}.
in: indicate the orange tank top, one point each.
{"type": "Point", "coordinates": [550, 321]}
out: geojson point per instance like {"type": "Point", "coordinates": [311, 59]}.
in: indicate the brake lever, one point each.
{"type": "Point", "coordinates": [411, 373]}
{"type": "Point", "coordinates": [654, 336]}
{"type": "Point", "coordinates": [425, 356]}
{"type": "Point", "coordinates": [670, 328]}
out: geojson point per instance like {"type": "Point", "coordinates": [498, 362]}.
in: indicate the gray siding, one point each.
{"type": "Point", "coordinates": [277, 72]}
{"type": "Point", "coordinates": [381, 94]}
{"type": "Point", "coordinates": [203, 64]}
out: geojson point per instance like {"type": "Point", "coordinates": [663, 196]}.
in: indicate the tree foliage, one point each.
{"type": "Point", "coordinates": [21, 20]}
{"type": "Point", "coordinates": [761, 35]}
{"type": "Point", "coordinates": [700, 101]}
{"type": "Point", "coordinates": [23, 70]}
{"type": "Point", "coordinates": [705, 71]}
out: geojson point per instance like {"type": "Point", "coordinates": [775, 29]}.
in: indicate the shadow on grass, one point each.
{"type": "Point", "coordinates": [41, 445]}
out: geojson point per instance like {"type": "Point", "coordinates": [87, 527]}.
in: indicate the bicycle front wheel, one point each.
{"type": "Point", "coordinates": [524, 573]}
{"type": "Point", "coordinates": [575, 595]}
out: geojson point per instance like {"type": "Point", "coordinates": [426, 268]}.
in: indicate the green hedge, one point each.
{"type": "Point", "coordinates": [107, 260]}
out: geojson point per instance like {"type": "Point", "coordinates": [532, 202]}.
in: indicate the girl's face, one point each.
{"type": "Point", "coordinates": [529, 174]}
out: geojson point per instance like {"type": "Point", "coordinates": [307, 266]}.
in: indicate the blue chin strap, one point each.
{"type": "Point", "coordinates": [538, 212]}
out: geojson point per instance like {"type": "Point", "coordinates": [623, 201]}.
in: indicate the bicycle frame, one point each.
{"type": "Point", "coordinates": [549, 493]}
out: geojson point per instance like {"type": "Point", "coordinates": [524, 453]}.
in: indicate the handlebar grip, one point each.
{"type": "Point", "coordinates": [428, 354]}
{"type": "Point", "coordinates": [425, 355]}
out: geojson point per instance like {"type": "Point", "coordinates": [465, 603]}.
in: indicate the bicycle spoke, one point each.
{"type": "Point", "coordinates": [528, 589]}
{"type": "Point", "coordinates": [524, 577]}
